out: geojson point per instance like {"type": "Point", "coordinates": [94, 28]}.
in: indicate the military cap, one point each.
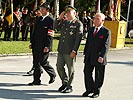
{"type": "Point", "coordinates": [45, 5]}
{"type": "Point", "coordinates": [69, 8]}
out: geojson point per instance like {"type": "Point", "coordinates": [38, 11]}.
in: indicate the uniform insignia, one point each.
{"type": "Point", "coordinates": [74, 21]}
{"type": "Point", "coordinates": [72, 26]}
{"type": "Point", "coordinates": [81, 28]}
{"type": "Point", "coordinates": [45, 27]}
{"type": "Point", "coordinates": [50, 32]}
{"type": "Point", "coordinates": [71, 33]}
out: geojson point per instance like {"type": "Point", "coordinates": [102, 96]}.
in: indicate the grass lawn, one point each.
{"type": "Point", "coordinates": [15, 47]}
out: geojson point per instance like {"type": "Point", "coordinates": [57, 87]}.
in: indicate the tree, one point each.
{"type": "Point", "coordinates": [124, 9]}
{"type": "Point", "coordinates": [85, 5]}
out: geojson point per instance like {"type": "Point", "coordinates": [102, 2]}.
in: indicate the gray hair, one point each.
{"type": "Point", "coordinates": [102, 15]}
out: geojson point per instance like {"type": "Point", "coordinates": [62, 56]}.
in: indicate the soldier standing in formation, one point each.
{"type": "Point", "coordinates": [16, 23]}
{"type": "Point", "coordinates": [24, 27]}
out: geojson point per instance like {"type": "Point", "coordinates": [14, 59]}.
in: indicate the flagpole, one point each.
{"type": "Point", "coordinates": [128, 14]}
{"type": "Point", "coordinates": [35, 5]}
{"type": "Point", "coordinates": [98, 8]}
{"type": "Point", "coordinates": [119, 10]}
{"type": "Point", "coordinates": [12, 9]}
{"type": "Point", "coordinates": [0, 8]}
{"type": "Point", "coordinates": [56, 6]}
{"type": "Point", "coordinates": [72, 3]}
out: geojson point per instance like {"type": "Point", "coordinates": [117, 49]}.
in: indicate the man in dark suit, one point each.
{"type": "Point", "coordinates": [41, 42]}
{"type": "Point", "coordinates": [85, 21]}
{"type": "Point", "coordinates": [95, 51]}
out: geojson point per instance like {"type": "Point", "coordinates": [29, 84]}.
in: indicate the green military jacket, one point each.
{"type": "Point", "coordinates": [71, 35]}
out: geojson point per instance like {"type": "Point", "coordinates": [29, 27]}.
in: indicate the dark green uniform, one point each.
{"type": "Point", "coordinates": [71, 35]}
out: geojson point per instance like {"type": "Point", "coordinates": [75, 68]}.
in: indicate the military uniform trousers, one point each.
{"type": "Point", "coordinates": [63, 59]}
{"type": "Point", "coordinates": [40, 59]}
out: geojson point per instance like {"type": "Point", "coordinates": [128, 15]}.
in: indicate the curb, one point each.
{"type": "Point", "coordinates": [54, 53]}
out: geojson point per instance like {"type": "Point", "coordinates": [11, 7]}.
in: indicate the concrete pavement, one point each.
{"type": "Point", "coordinates": [118, 84]}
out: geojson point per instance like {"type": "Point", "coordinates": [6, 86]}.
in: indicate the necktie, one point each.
{"type": "Point", "coordinates": [95, 33]}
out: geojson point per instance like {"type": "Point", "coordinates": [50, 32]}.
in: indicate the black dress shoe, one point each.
{"type": "Point", "coordinates": [52, 79]}
{"type": "Point", "coordinates": [95, 95]}
{"type": "Point", "coordinates": [62, 88]}
{"type": "Point", "coordinates": [67, 90]}
{"type": "Point", "coordinates": [30, 73]}
{"type": "Point", "coordinates": [85, 94]}
{"type": "Point", "coordinates": [41, 71]}
{"type": "Point", "coordinates": [34, 83]}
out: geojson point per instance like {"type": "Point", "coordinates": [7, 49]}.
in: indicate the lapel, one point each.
{"type": "Point", "coordinates": [91, 32]}
{"type": "Point", "coordinates": [99, 32]}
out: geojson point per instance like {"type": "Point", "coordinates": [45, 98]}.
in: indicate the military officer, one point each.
{"type": "Point", "coordinates": [71, 30]}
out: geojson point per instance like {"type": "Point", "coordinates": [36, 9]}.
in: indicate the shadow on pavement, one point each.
{"type": "Point", "coordinates": [32, 94]}
{"type": "Point", "coordinates": [130, 63]}
{"type": "Point", "coordinates": [12, 73]}
{"type": "Point", "coordinates": [11, 84]}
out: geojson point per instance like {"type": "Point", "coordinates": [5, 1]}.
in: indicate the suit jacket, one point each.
{"type": "Point", "coordinates": [97, 46]}
{"type": "Point", "coordinates": [71, 35]}
{"type": "Point", "coordinates": [85, 20]}
{"type": "Point", "coordinates": [40, 38]}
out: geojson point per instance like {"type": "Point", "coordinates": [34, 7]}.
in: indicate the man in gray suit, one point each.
{"type": "Point", "coordinates": [71, 30]}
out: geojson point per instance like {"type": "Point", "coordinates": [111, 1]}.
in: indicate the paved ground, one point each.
{"type": "Point", "coordinates": [118, 83]}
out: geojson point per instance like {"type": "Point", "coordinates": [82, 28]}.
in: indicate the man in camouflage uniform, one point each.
{"type": "Point", "coordinates": [71, 30]}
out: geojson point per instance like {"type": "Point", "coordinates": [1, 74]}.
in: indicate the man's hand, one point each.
{"type": "Point", "coordinates": [30, 46]}
{"type": "Point", "coordinates": [100, 60]}
{"type": "Point", "coordinates": [73, 54]}
{"type": "Point", "coordinates": [46, 49]}
{"type": "Point", "coordinates": [61, 15]}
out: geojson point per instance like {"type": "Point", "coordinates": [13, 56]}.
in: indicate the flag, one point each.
{"type": "Point", "coordinates": [116, 9]}
{"type": "Point", "coordinates": [9, 19]}
{"type": "Point", "coordinates": [111, 8]}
